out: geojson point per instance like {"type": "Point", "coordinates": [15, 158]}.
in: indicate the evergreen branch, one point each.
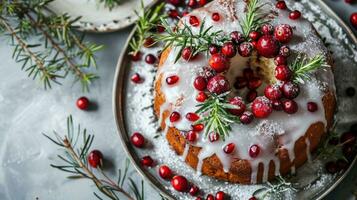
{"type": "Point", "coordinates": [148, 19]}
{"type": "Point", "coordinates": [274, 190]}
{"type": "Point", "coordinates": [76, 163]}
{"type": "Point", "coordinates": [216, 117]}
{"type": "Point", "coordinates": [185, 37]}
{"type": "Point", "coordinates": [110, 3]}
{"type": "Point", "coordinates": [302, 67]}
{"type": "Point", "coordinates": [61, 50]}
{"type": "Point", "coordinates": [254, 17]}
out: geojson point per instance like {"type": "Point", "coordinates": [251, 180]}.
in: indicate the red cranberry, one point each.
{"type": "Point", "coordinates": [290, 106]}
{"type": "Point", "coordinates": [213, 136]}
{"type": "Point", "coordinates": [147, 161]}
{"type": "Point", "coordinates": [229, 148]}
{"type": "Point", "coordinates": [191, 136]}
{"type": "Point", "coordinates": [238, 102]}
{"type": "Point", "coordinates": [184, 13]}
{"type": "Point", "coordinates": [136, 78]}
{"type": "Point", "coordinates": [348, 138]}
{"type": "Point", "coordinates": [349, 1]}
{"type": "Point", "coordinates": [210, 197]}
{"type": "Point", "coordinates": [280, 60]}
{"type": "Point", "coordinates": [246, 118]}
{"type": "Point", "coordinates": [237, 37]}
{"type": "Point", "coordinates": [198, 127]}
{"type": "Point", "coordinates": [252, 198]}
{"type": "Point", "coordinates": [283, 73]}
{"type": "Point", "coordinates": [254, 83]}
{"type": "Point", "coordinates": [267, 46]}
{"type": "Point", "coordinates": [342, 164]}
{"type": "Point", "coordinates": [83, 103]}
{"type": "Point", "coordinates": [294, 15]}
{"type": "Point", "coordinates": [187, 53]}
{"type": "Point", "coordinates": [194, 190]}
{"type": "Point", "coordinates": [261, 107]}
{"type": "Point", "coordinates": [273, 92]}
{"type": "Point", "coordinates": [245, 49]}
{"type": "Point", "coordinates": [281, 5]}
{"type": "Point", "coordinates": [213, 49]}
{"type": "Point", "coordinates": [201, 97]}
{"type": "Point", "coordinates": [254, 43]}
{"type": "Point", "coordinates": [228, 49]}
{"type": "Point", "coordinates": [192, 117]}
{"type": "Point", "coordinates": [199, 198]}
{"type": "Point", "coordinates": [240, 83]}
{"type": "Point", "coordinates": [165, 172]}
{"type": "Point", "coordinates": [95, 158]}
{"type": "Point", "coordinates": [218, 62]}
{"type": "Point", "coordinates": [216, 17]}
{"type": "Point", "coordinates": [353, 20]}
{"type": "Point", "coordinates": [150, 59]}
{"type": "Point", "coordinates": [349, 151]}
{"type": "Point", "coordinates": [192, 3]}
{"type": "Point", "coordinates": [220, 195]}
{"type": "Point", "coordinates": [277, 105]}
{"type": "Point", "coordinates": [254, 35]}
{"type": "Point", "coordinates": [200, 83]}
{"type": "Point", "coordinates": [218, 84]}
{"type": "Point", "coordinates": [149, 42]}
{"type": "Point", "coordinates": [194, 21]}
{"type": "Point", "coordinates": [290, 90]}
{"type": "Point", "coordinates": [179, 183]}
{"type": "Point", "coordinates": [175, 2]}
{"type": "Point", "coordinates": [175, 116]}
{"type": "Point", "coordinates": [137, 140]}
{"type": "Point", "coordinates": [312, 106]}
{"type": "Point", "coordinates": [248, 73]}
{"type": "Point", "coordinates": [172, 79]}
{"type": "Point", "coordinates": [254, 151]}
{"type": "Point", "coordinates": [251, 95]}
{"type": "Point", "coordinates": [284, 51]}
{"type": "Point", "coordinates": [267, 29]}
{"type": "Point", "coordinates": [160, 28]}
{"type": "Point", "coordinates": [331, 167]}
{"type": "Point", "coordinates": [202, 2]}
{"type": "Point", "coordinates": [283, 33]}
{"type": "Point", "coordinates": [136, 56]}
{"type": "Point", "coordinates": [173, 14]}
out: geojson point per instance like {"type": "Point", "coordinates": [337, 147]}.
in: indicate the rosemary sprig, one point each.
{"type": "Point", "coordinates": [302, 67]}
{"type": "Point", "coordinates": [148, 19]}
{"type": "Point", "coordinates": [61, 51]}
{"type": "Point", "coordinates": [254, 17]}
{"type": "Point", "coordinates": [215, 115]}
{"type": "Point", "coordinates": [274, 190]}
{"type": "Point", "coordinates": [185, 37]}
{"type": "Point", "coordinates": [75, 163]}
{"type": "Point", "coordinates": [110, 3]}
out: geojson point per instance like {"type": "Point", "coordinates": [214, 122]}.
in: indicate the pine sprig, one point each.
{"type": "Point", "coordinates": [254, 17]}
{"type": "Point", "coordinates": [61, 50]}
{"type": "Point", "coordinates": [274, 190]}
{"type": "Point", "coordinates": [75, 163]}
{"type": "Point", "coordinates": [302, 67]}
{"type": "Point", "coordinates": [148, 19]}
{"type": "Point", "coordinates": [185, 37]}
{"type": "Point", "coordinates": [110, 3]}
{"type": "Point", "coordinates": [216, 118]}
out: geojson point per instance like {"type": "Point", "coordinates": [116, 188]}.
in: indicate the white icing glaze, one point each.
{"type": "Point", "coordinates": [280, 129]}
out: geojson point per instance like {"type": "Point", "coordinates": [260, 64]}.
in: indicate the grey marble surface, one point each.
{"type": "Point", "coordinates": [26, 110]}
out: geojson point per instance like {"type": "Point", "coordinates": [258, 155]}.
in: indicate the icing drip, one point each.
{"type": "Point", "coordinates": [308, 153]}
{"type": "Point", "coordinates": [280, 130]}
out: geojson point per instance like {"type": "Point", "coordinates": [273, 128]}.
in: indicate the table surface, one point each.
{"type": "Point", "coordinates": [27, 111]}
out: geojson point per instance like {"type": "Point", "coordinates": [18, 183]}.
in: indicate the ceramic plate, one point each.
{"type": "Point", "coordinates": [98, 18]}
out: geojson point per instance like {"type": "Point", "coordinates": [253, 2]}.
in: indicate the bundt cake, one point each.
{"type": "Point", "coordinates": [244, 90]}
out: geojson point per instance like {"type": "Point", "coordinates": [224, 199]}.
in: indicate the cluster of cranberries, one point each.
{"type": "Point", "coordinates": [178, 182]}
{"type": "Point", "coordinates": [175, 13]}
{"type": "Point", "coordinates": [348, 143]}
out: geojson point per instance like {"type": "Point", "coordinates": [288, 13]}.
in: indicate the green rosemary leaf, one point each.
{"type": "Point", "coordinates": [110, 3]}
{"type": "Point", "coordinates": [302, 67]}
{"type": "Point", "coordinates": [254, 17]}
